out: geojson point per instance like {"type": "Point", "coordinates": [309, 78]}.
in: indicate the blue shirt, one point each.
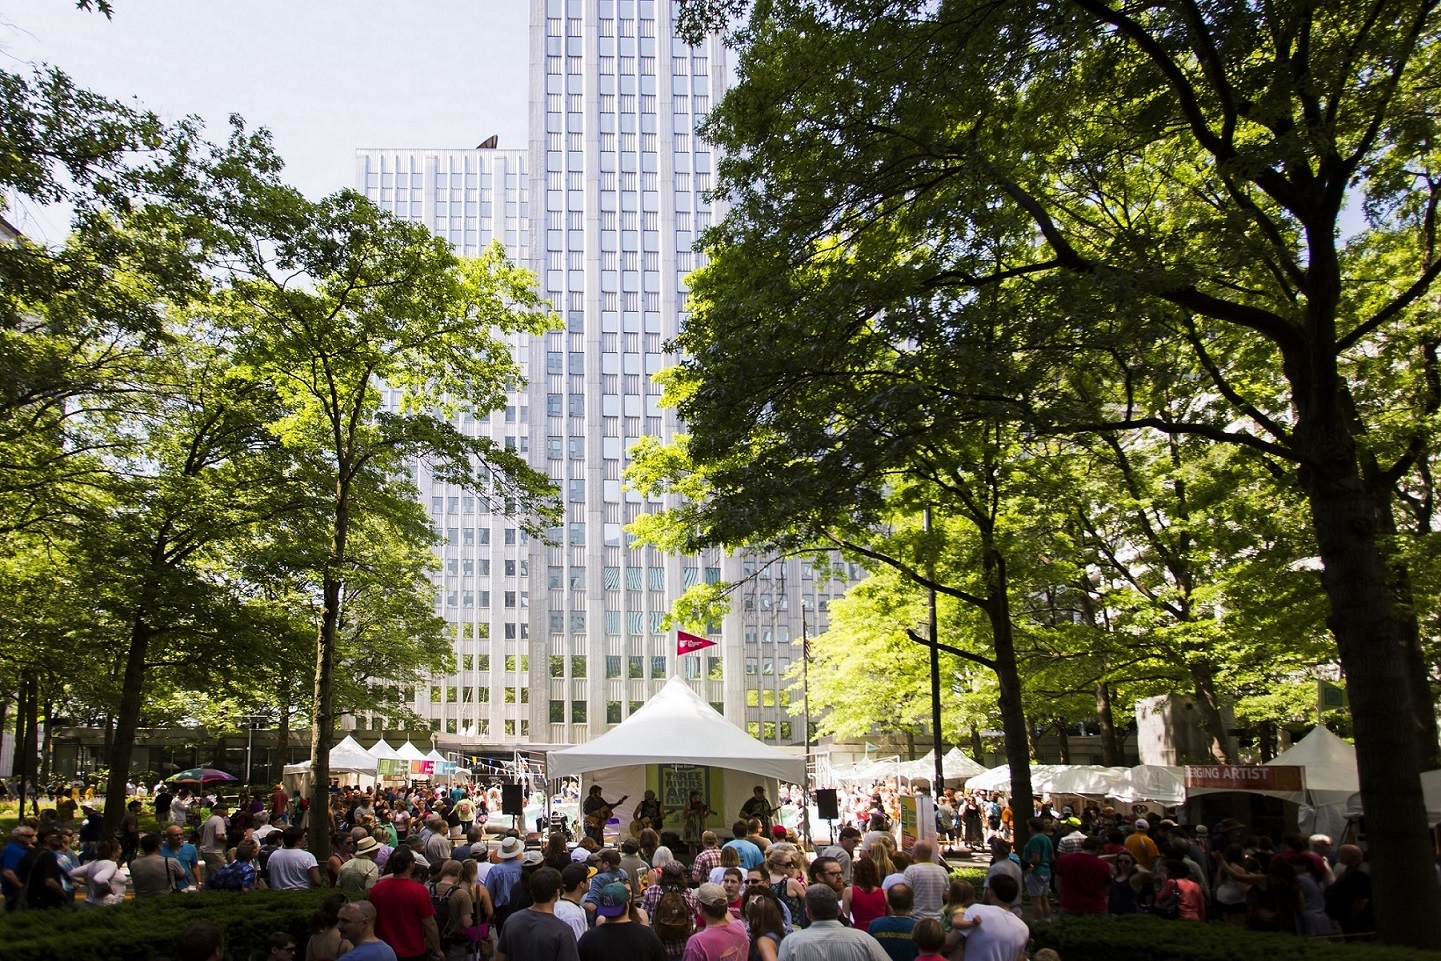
{"type": "Point", "coordinates": [894, 934]}
{"type": "Point", "coordinates": [187, 856]}
{"type": "Point", "coordinates": [751, 856]}
{"type": "Point", "coordinates": [501, 880]}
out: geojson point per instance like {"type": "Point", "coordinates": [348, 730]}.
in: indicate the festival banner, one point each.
{"type": "Point", "coordinates": [1246, 777]}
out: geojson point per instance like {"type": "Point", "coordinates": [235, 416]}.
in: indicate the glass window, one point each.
{"type": "Point", "coordinates": [612, 665]}
{"type": "Point", "coordinates": [557, 712]}
{"type": "Point", "coordinates": [714, 669]}
{"type": "Point", "coordinates": [753, 728]}
{"type": "Point", "coordinates": [612, 712]}
{"type": "Point", "coordinates": [557, 665]}
{"type": "Point", "coordinates": [785, 730]}
{"type": "Point", "coordinates": [577, 712]}
{"type": "Point", "coordinates": [753, 698]}
{"type": "Point", "coordinates": [657, 667]}
{"type": "Point", "coordinates": [577, 665]}
{"type": "Point", "coordinates": [636, 667]}
{"type": "Point", "coordinates": [555, 577]}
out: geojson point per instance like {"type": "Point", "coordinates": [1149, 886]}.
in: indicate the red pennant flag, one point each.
{"type": "Point", "coordinates": [690, 643]}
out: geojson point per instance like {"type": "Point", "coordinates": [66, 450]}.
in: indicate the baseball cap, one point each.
{"type": "Point", "coordinates": [711, 894]}
{"type": "Point", "coordinates": [614, 900]}
{"type": "Point", "coordinates": [1142, 824]}
{"type": "Point", "coordinates": [580, 855]}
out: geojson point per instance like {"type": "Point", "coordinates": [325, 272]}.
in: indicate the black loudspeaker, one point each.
{"type": "Point", "coordinates": [511, 800]}
{"type": "Point", "coordinates": [826, 806]}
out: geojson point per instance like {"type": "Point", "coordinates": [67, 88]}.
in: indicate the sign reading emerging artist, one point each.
{"type": "Point", "coordinates": [1246, 777]}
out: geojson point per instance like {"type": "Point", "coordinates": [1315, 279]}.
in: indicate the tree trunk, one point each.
{"type": "Point", "coordinates": [17, 759]}
{"type": "Point", "coordinates": [1008, 681]}
{"type": "Point", "coordinates": [1110, 744]}
{"type": "Point", "coordinates": [1373, 655]}
{"type": "Point", "coordinates": [282, 745]}
{"type": "Point", "coordinates": [976, 746]}
{"type": "Point", "coordinates": [127, 722]}
{"type": "Point", "coordinates": [1203, 678]}
{"type": "Point", "coordinates": [1063, 740]}
{"type": "Point", "coordinates": [322, 724]}
{"type": "Point", "coordinates": [45, 746]}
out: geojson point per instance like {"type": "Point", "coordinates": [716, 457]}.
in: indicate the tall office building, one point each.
{"type": "Point", "coordinates": [556, 643]}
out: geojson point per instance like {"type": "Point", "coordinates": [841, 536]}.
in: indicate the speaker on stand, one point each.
{"type": "Point", "coordinates": [827, 809]}
{"type": "Point", "coordinates": [512, 802]}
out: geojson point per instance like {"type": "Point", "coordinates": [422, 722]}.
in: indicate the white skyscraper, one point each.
{"type": "Point", "coordinates": [554, 644]}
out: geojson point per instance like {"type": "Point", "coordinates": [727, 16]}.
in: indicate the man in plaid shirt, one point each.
{"type": "Point", "coordinates": [708, 859]}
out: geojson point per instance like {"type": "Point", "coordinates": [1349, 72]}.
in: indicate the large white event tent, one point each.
{"type": "Point", "coordinates": [677, 726]}
{"type": "Point", "coordinates": [347, 757]}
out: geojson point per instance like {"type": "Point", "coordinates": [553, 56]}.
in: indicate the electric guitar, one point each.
{"type": "Point", "coordinates": [596, 819]}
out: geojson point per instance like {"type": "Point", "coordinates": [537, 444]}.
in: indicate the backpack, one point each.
{"type": "Point", "coordinates": [673, 919]}
{"type": "Point", "coordinates": [449, 929]}
{"type": "Point", "coordinates": [232, 877]}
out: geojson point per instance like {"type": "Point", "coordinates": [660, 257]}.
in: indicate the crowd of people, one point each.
{"type": "Point", "coordinates": [417, 875]}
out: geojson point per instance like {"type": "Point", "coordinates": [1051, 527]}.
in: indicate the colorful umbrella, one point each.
{"type": "Point", "coordinates": [201, 775]}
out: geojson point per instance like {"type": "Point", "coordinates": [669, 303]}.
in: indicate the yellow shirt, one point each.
{"type": "Point", "coordinates": [1143, 849]}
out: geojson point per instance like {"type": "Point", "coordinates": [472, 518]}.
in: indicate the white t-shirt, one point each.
{"type": "Point", "coordinates": [1001, 935]}
{"type": "Point", "coordinates": [573, 915]}
{"type": "Point", "coordinates": [290, 869]}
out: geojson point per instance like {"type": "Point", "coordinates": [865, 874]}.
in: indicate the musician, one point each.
{"type": "Point", "coordinates": [649, 813]}
{"type": "Point", "coordinates": [597, 810]}
{"type": "Point", "coordinates": [695, 812]}
{"type": "Point", "coordinates": [758, 806]}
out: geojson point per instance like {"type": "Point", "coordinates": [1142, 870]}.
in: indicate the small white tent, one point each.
{"type": "Point", "coordinates": [410, 752]}
{"type": "Point", "coordinates": [677, 727]}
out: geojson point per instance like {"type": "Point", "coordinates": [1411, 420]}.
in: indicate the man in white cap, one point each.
{"type": "Point", "coordinates": [1142, 848]}
{"type": "Point", "coordinates": [503, 877]}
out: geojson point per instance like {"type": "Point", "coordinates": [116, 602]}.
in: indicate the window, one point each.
{"type": "Point", "coordinates": [577, 665]}
{"type": "Point", "coordinates": [657, 667]}
{"type": "Point", "coordinates": [753, 728]}
{"type": "Point", "coordinates": [557, 665]}
{"type": "Point", "coordinates": [557, 712]}
{"type": "Point", "coordinates": [785, 730]}
{"type": "Point", "coordinates": [714, 669]}
{"type": "Point", "coordinates": [612, 712]}
{"type": "Point", "coordinates": [612, 665]}
{"type": "Point", "coordinates": [577, 712]}
{"type": "Point", "coordinates": [636, 667]}
{"type": "Point", "coordinates": [753, 698]}
{"type": "Point", "coordinates": [750, 665]}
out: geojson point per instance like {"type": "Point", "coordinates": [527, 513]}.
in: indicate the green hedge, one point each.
{"type": "Point", "coordinates": [145, 930]}
{"type": "Point", "coordinates": [1146, 938]}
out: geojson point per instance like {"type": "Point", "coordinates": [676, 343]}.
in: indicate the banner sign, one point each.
{"type": "Point", "coordinates": [687, 643]}
{"type": "Point", "coordinates": [392, 767]}
{"type": "Point", "coordinates": [1246, 777]}
{"type": "Point", "coordinates": [678, 780]}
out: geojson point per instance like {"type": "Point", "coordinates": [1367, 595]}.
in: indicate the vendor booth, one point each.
{"type": "Point", "coordinates": [674, 744]}
{"type": "Point", "coordinates": [347, 757]}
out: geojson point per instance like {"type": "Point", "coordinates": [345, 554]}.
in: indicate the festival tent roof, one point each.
{"type": "Point", "coordinates": [435, 755]}
{"type": "Point", "coordinates": [958, 765]}
{"type": "Point", "coordinates": [346, 757]}
{"type": "Point", "coordinates": [1430, 789]}
{"type": "Point", "coordinates": [677, 727]}
{"type": "Point", "coordinates": [410, 752]}
{"type": "Point", "coordinates": [954, 765]}
{"type": "Point", "coordinates": [380, 749]}
{"type": "Point", "coordinates": [1151, 782]}
{"type": "Point", "coordinates": [1087, 779]}
{"type": "Point", "coordinates": [1330, 762]}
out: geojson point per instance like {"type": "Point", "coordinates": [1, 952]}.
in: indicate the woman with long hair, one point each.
{"type": "Point", "coordinates": [341, 848]}
{"type": "Point", "coordinates": [880, 856]}
{"type": "Point", "coordinates": [1227, 889]}
{"type": "Point", "coordinates": [764, 926]}
{"type": "Point", "coordinates": [104, 879]}
{"type": "Point", "coordinates": [325, 942]}
{"type": "Point", "coordinates": [864, 900]}
{"type": "Point", "coordinates": [556, 853]}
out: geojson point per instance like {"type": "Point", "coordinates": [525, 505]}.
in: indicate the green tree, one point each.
{"type": "Point", "coordinates": [1153, 183]}
{"type": "Point", "coordinates": [340, 306]}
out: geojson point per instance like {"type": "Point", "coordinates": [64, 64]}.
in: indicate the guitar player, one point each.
{"type": "Point", "coordinates": [759, 807]}
{"type": "Point", "coordinates": [597, 811]}
{"type": "Point", "coordinates": [649, 813]}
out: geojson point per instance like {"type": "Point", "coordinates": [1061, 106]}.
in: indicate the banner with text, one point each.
{"type": "Point", "coordinates": [1246, 777]}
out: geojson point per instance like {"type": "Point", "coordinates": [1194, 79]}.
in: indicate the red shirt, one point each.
{"type": "Point", "coordinates": [400, 906]}
{"type": "Point", "coordinates": [1085, 882]}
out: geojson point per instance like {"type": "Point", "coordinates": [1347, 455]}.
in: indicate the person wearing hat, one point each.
{"type": "Point", "coordinates": [503, 877]}
{"type": "Point", "coordinates": [616, 936]}
{"type": "Point", "coordinates": [722, 936]}
{"type": "Point", "coordinates": [213, 837]}
{"type": "Point", "coordinates": [1142, 848]}
{"type": "Point", "coordinates": [360, 873]}
{"type": "Point", "coordinates": [608, 870]}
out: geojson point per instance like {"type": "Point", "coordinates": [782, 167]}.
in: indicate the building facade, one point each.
{"type": "Point", "coordinates": [556, 643]}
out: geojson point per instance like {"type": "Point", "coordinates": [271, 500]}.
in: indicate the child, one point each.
{"type": "Point", "coordinates": [929, 940]}
{"type": "Point", "coordinates": [279, 946]}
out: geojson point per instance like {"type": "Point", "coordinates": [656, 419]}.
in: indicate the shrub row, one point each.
{"type": "Point", "coordinates": [146, 930]}
{"type": "Point", "coordinates": [1146, 938]}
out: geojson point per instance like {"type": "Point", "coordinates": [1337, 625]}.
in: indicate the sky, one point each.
{"type": "Point", "coordinates": [325, 76]}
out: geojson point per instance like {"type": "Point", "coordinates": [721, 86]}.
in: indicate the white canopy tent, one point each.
{"type": "Point", "coordinates": [677, 726]}
{"type": "Point", "coordinates": [1430, 789]}
{"type": "Point", "coordinates": [1150, 782]}
{"type": "Point", "coordinates": [381, 750]}
{"type": "Point", "coordinates": [955, 766]}
{"type": "Point", "coordinates": [347, 757]}
{"type": "Point", "coordinates": [410, 752]}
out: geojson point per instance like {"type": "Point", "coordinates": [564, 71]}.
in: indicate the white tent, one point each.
{"type": "Point", "coordinates": [347, 757]}
{"type": "Point", "coordinates": [380, 749]}
{"type": "Point", "coordinates": [1430, 789]}
{"type": "Point", "coordinates": [677, 726]}
{"type": "Point", "coordinates": [954, 765]}
{"type": "Point", "coordinates": [410, 752]}
{"type": "Point", "coordinates": [1331, 779]}
{"type": "Point", "coordinates": [1087, 779]}
{"type": "Point", "coordinates": [1151, 782]}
